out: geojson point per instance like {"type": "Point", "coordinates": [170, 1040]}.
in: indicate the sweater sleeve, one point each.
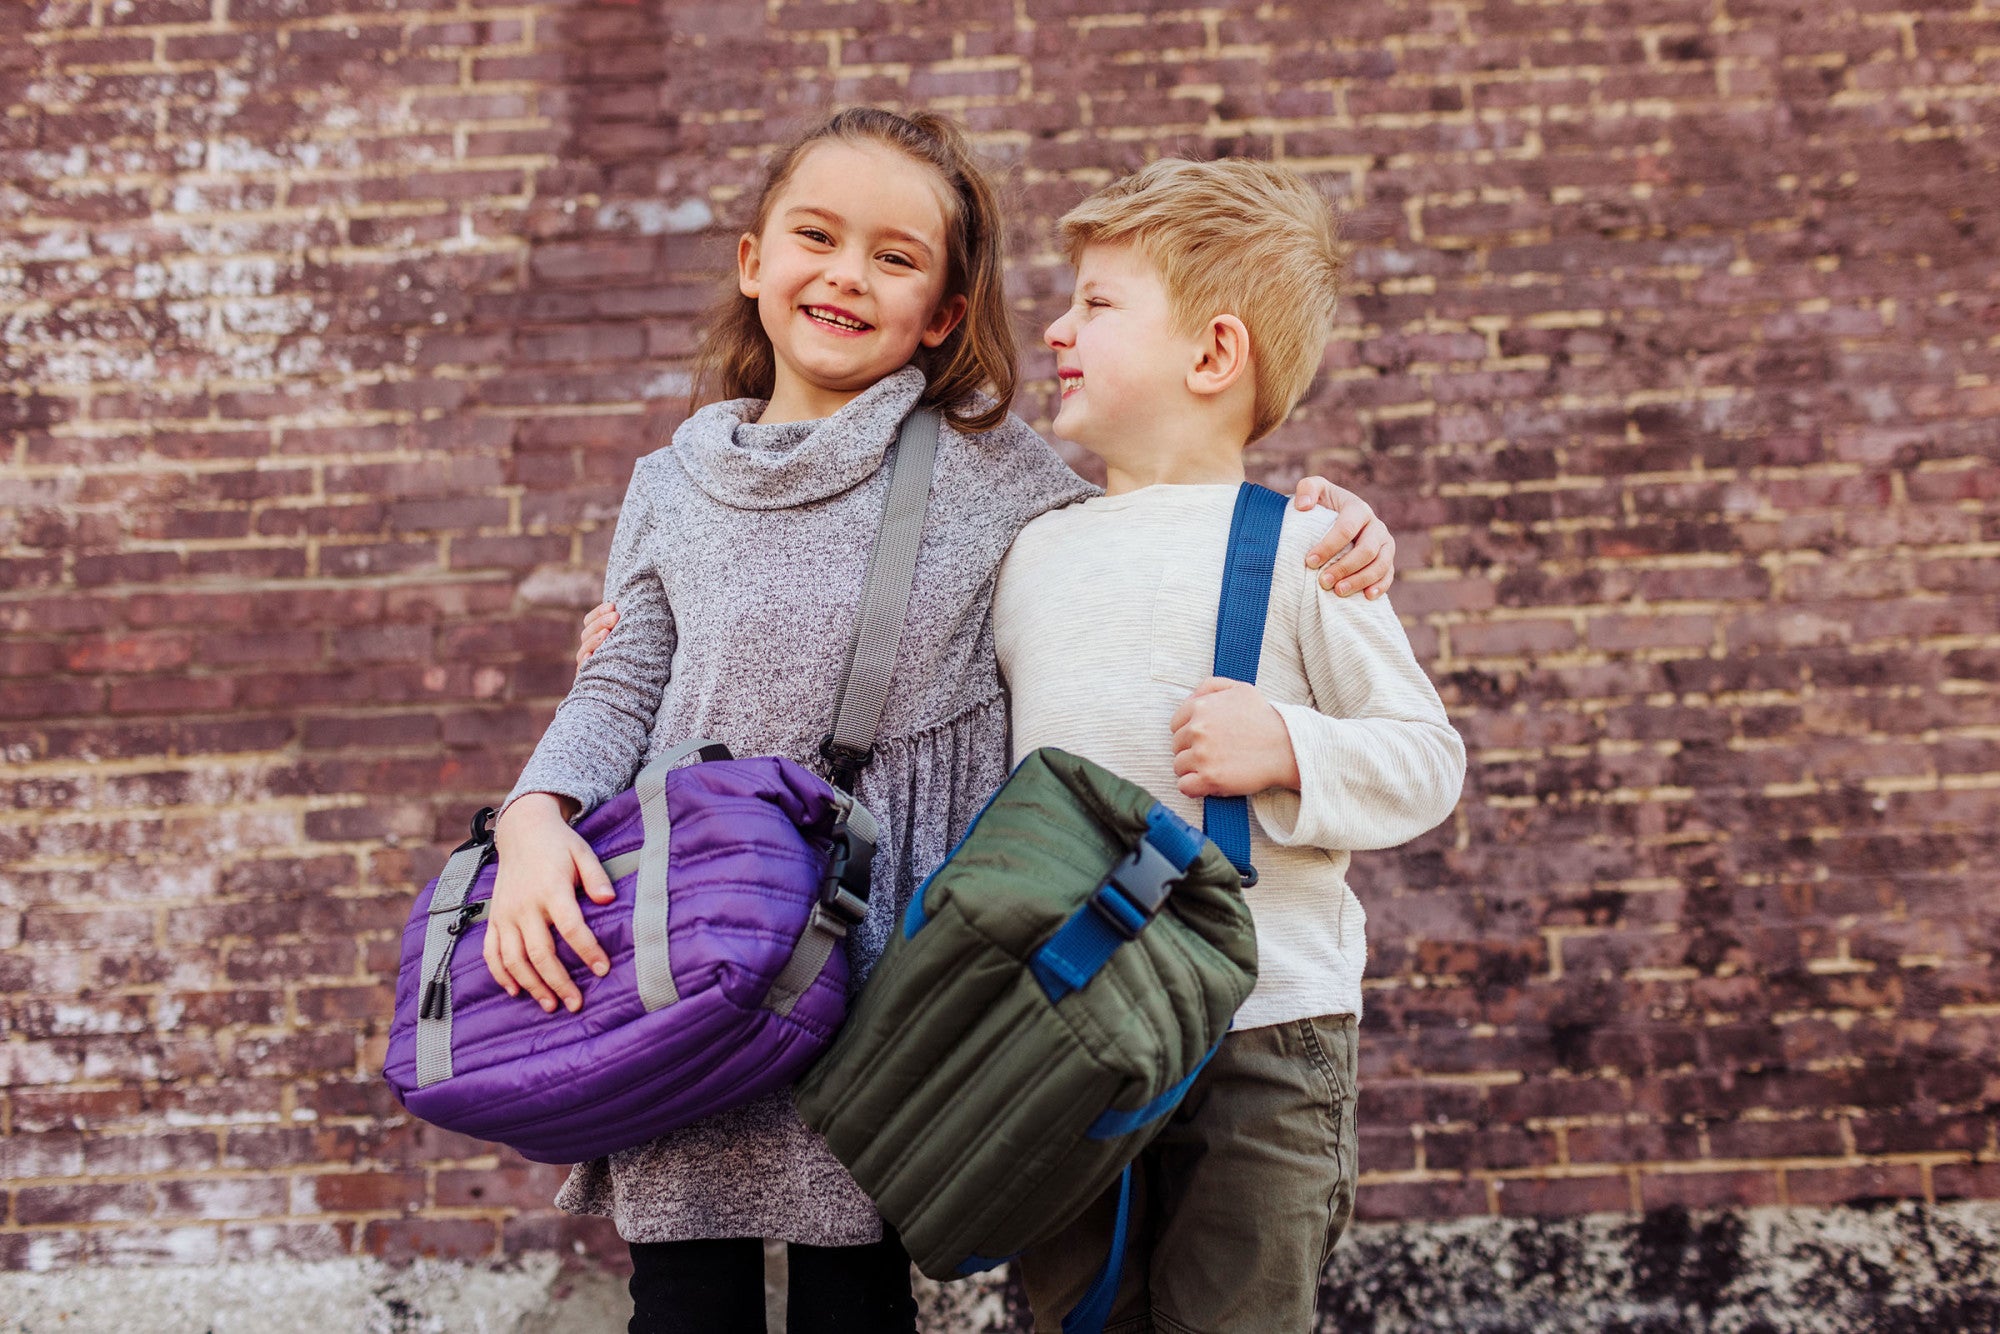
{"type": "Point", "coordinates": [1027, 476]}
{"type": "Point", "coordinates": [1379, 763]}
{"type": "Point", "coordinates": [597, 740]}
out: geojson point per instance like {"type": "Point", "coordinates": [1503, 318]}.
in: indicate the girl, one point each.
{"type": "Point", "coordinates": [869, 283]}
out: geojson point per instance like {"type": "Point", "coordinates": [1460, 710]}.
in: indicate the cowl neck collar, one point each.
{"type": "Point", "coordinates": [748, 465]}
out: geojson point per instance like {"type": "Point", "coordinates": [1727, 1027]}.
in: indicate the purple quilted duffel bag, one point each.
{"type": "Point", "coordinates": [736, 881]}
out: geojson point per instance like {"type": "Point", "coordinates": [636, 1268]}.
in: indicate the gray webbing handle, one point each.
{"type": "Point", "coordinates": [450, 914]}
{"type": "Point", "coordinates": [649, 898]}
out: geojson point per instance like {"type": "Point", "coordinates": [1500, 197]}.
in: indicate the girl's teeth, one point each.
{"type": "Point", "coordinates": [835, 319]}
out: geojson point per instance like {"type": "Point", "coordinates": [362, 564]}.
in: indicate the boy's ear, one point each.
{"type": "Point", "coordinates": [1224, 358]}
{"type": "Point", "coordinates": [749, 266]}
{"type": "Point", "coordinates": [949, 312]}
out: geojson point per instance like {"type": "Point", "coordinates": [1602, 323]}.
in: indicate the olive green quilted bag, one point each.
{"type": "Point", "coordinates": [1054, 989]}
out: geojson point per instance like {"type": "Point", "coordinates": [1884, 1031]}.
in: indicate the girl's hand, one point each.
{"type": "Point", "coordinates": [598, 624]}
{"type": "Point", "coordinates": [1230, 742]}
{"type": "Point", "coordinates": [1369, 561]}
{"type": "Point", "coordinates": [542, 860]}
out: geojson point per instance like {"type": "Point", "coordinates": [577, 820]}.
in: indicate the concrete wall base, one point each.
{"type": "Point", "coordinates": [1763, 1271]}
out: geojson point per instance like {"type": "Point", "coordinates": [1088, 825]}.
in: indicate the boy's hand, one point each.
{"type": "Point", "coordinates": [541, 862]}
{"type": "Point", "coordinates": [596, 626]}
{"type": "Point", "coordinates": [1230, 742]}
{"type": "Point", "coordinates": [1369, 562]}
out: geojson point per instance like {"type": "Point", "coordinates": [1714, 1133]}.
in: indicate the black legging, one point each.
{"type": "Point", "coordinates": [717, 1287]}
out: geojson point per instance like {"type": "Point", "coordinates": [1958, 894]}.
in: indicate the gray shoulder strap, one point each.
{"type": "Point", "coordinates": [885, 600]}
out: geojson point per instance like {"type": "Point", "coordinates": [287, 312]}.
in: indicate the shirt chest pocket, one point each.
{"type": "Point", "coordinates": [1184, 628]}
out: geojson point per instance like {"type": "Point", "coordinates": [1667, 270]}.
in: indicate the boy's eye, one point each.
{"type": "Point", "coordinates": [1095, 302]}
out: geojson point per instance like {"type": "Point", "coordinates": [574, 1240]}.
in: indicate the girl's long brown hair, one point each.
{"type": "Point", "coordinates": [736, 360]}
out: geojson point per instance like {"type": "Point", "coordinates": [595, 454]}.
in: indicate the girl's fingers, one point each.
{"type": "Point", "coordinates": [1369, 546]}
{"type": "Point", "coordinates": [490, 951]}
{"type": "Point", "coordinates": [542, 956]}
{"type": "Point", "coordinates": [1317, 491]}
{"type": "Point", "coordinates": [1349, 526]}
{"type": "Point", "coordinates": [569, 922]}
{"type": "Point", "coordinates": [590, 873]}
{"type": "Point", "coordinates": [1376, 579]}
{"type": "Point", "coordinates": [513, 953]}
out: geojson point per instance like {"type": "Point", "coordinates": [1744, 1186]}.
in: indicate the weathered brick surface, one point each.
{"type": "Point", "coordinates": [332, 328]}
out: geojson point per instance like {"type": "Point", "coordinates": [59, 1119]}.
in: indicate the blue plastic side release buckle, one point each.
{"type": "Point", "coordinates": [1132, 894]}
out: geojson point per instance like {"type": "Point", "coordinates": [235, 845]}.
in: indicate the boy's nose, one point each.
{"type": "Point", "coordinates": [1057, 334]}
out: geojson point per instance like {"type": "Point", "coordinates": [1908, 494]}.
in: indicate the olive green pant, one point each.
{"type": "Point", "coordinates": [1237, 1202]}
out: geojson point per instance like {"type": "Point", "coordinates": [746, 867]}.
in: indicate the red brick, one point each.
{"type": "Point", "coordinates": [1385, 1201]}
{"type": "Point", "coordinates": [515, 1185]}
{"type": "Point", "coordinates": [223, 1197]}
{"type": "Point", "coordinates": [358, 1192]}
{"type": "Point", "coordinates": [1565, 1195]}
{"type": "Point", "coordinates": [1852, 1185]}
{"type": "Point", "coordinates": [1708, 1190]}
{"type": "Point", "coordinates": [401, 1240]}
{"type": "Point", "coordinates": [81, 1203]}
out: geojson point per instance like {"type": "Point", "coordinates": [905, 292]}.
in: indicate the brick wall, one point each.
{"type": "Point", "coordinates": [332, 328]}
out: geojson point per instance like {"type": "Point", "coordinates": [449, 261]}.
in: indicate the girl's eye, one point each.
{"type": "Point", "coordinates": [815, 234]}
{"type": "Point", "coordinates": [894, 258]}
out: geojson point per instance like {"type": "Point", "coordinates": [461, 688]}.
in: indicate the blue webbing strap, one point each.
{"type": "Point", "coordinates": [1073, 956]}
{"type": "Point", "coordinates": [1239, 641]}
{"type": "Point", "coordinates": [1111, 916]}
{"type": "Point", "coordinates": [1088, 1316]}
{"type": "Point", "coordinates": [1113, 1123]}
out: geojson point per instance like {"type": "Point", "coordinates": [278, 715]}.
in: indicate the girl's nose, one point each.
{"type": "Point", "coordinates": [847, 272]}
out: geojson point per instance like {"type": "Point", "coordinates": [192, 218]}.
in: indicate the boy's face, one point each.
{"type": "Point", "coordinates": [1119, 358]}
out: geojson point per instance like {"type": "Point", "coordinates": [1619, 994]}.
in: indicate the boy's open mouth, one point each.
{"type": "Point", "coordinates": [833, 318]}
{"type": "Point", "coordinates": [1069, 381]}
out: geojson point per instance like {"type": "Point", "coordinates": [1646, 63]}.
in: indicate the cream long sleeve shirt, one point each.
{"type": "Point", "coordinates": [1105, 621]}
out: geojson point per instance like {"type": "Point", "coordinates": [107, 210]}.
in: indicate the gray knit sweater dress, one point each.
{"type": "Point", "coordinates": [737, 567]}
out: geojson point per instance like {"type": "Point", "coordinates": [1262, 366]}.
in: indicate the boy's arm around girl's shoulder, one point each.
{"type": "Point", "coordinates": [1379, 762]}
{"type": "Point", "coordinates": [595, 744]}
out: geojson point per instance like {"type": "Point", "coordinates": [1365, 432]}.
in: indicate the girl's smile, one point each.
{"type": "Point", "coordinates": [834, 320]}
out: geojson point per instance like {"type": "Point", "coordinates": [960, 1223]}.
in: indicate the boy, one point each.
{"type": "Point", "coordinates": [1204, 296]}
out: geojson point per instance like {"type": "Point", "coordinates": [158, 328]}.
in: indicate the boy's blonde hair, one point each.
{"type": "Point", "coordinates": [1231, 237]}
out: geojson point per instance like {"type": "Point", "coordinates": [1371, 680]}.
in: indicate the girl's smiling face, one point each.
{"type": "Point", "coordinates": [848, 274]}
